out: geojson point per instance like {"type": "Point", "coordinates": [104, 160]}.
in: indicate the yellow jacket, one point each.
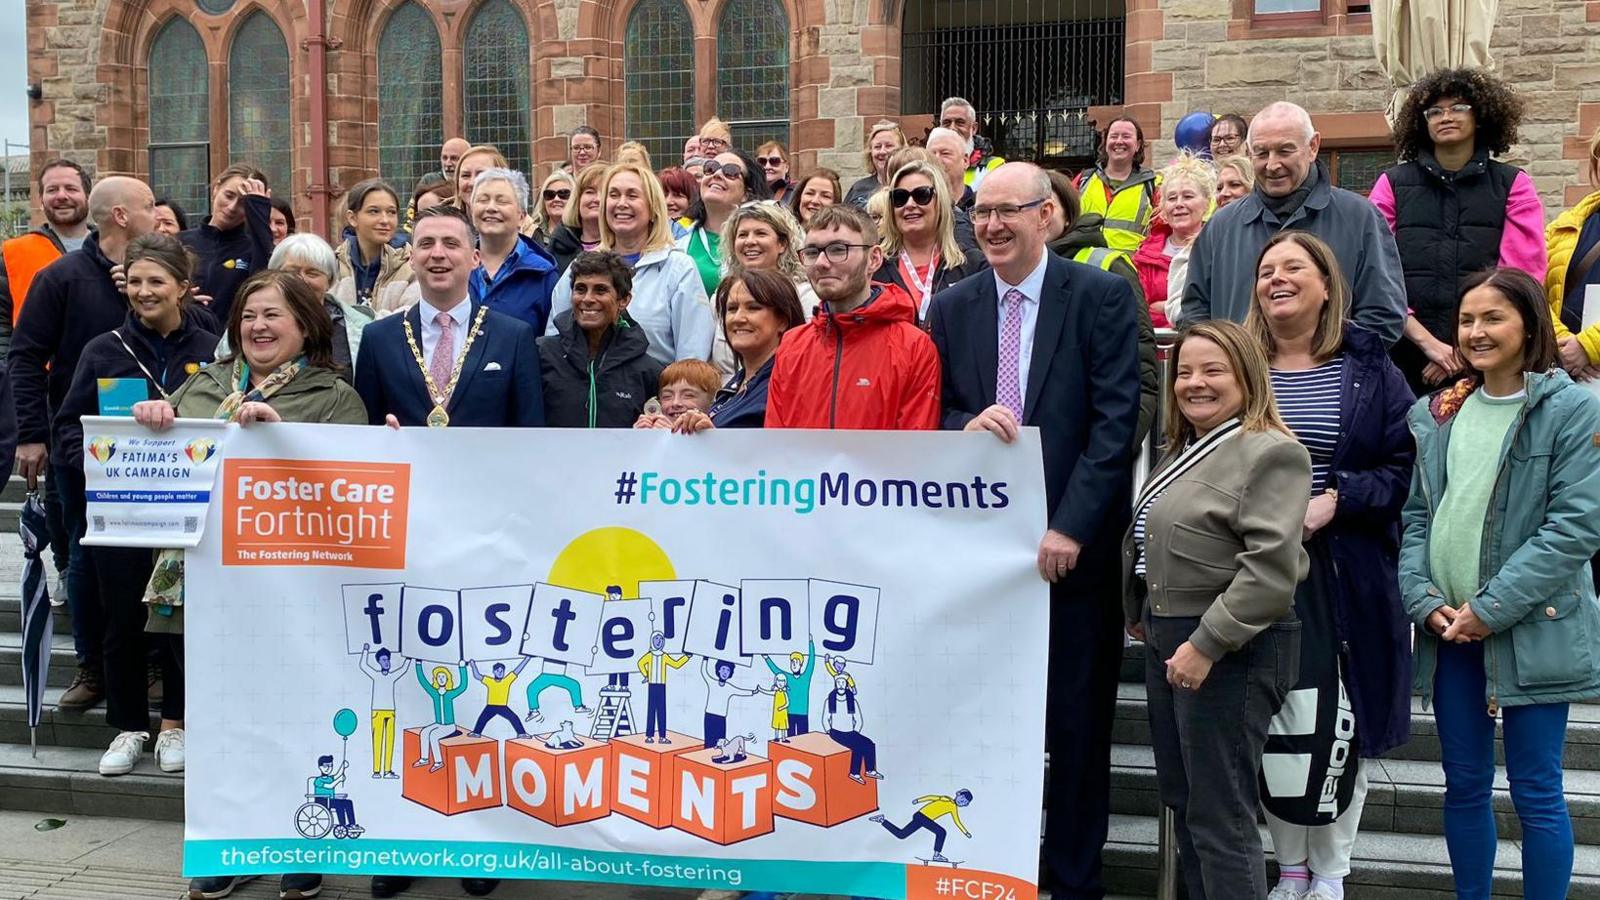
{"type": "Point", "coordinates": [1127, 209]}
{"type": "Point", "coordinates": [936, 805]}
{"type": "Point", "coordinates": [657, 674]}
{"type": "Point", "coordinates": [1561, 241]}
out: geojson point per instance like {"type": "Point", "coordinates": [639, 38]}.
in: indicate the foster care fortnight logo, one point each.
{"type": "Point", "coordinates": [101, 448]}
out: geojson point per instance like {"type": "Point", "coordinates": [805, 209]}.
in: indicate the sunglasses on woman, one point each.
{"type": "Point", "coordinates": [727, 170]}
{"type": "Point", "coordinates": [922, 196]}
{"type": "Point", "coordinates": [769, 162]}
{"type": "Point", "coordinates": [557, 194]}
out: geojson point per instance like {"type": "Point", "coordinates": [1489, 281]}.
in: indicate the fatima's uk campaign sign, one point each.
{"type": "Point", "coordinates": [795, 661]}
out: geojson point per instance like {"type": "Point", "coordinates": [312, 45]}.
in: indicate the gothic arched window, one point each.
{"type": "Point", "coordinates": [180, 117]}
{"type": "Point", "coordinates": [410, 97]}
{"type": "Point", "coordinates": [258, 102]}
{"type": "Point", "coordinates": [495, 106]}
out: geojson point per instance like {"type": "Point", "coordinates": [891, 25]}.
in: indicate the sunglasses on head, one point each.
{"type": "Point", "coordinates": [557, 193]}
{"type": "Point", "coordinates": [773, 161]}
{"type": "Point", "coordinates": [727, 170]}
{"type": "Point", "coordinates": [922, 196]}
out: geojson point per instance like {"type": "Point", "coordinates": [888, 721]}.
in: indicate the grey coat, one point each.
{"type": "Point", "coordinates": [1222, 265]}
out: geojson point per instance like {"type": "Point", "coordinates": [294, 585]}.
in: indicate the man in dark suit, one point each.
{"type": "Point", "coordinates": [447, 360]}
{"type": "Point", "coordinates": [1054, 344]}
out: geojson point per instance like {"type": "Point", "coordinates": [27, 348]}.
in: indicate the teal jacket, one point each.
{"type": "Point", "coordinates": [1543, 525]}
{"type": "Point", "coordinates": [444, 700]}
{"type": "Point", "coordinates": [799, 685]}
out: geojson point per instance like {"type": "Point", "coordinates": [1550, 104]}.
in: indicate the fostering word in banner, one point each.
{"type": "Point", "coordinates": [463, 653]}
{"type": "Point", "coordinates": [147, 488]}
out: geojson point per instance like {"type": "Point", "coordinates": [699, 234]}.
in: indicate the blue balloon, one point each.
{"type": "Point", "coordinates": [1194, 132]}
{"type": "Point", "coordinates": [345, 722]}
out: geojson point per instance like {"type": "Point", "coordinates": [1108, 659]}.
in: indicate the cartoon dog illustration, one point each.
{"type": "Point", "coordinates": [732, 749]}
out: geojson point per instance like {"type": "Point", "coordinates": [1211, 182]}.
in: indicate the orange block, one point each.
{"type": "Point", "coordinates": [468, 780]}
{"type": "Point", "coordinates": [724, 803]}
{"type": "Point", "coordinates": [561, 787]}
{"type": "Point", "coordinates": [641, 775]}
{"type": "Point", "coordinates": [814, 783]}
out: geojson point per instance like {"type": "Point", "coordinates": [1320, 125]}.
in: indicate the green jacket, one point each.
{"type": "Point", "coordinates": [444, 699]}
{"type": "Point", "coordinates": [1543, 525]}
{"type": "Point", "coordinates": [315, 395]}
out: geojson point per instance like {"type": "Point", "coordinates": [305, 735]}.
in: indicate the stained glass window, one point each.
{"type": "Point", "coordinates": [258, 101]}
{"type": "Point", "coordinates": [180, 117]}
{"type": "Point", "coordinates": [496, 105]}
{"type": "Point", "coordinates": [410, 97]}
{"type": "Point", "coordinates": [658, 64]}
{"type": "Point", "coordinates": [753, 72]}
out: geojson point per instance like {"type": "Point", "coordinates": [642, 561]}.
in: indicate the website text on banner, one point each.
{"type": "Point", "coordinates": [148, 489]}
{"type": "Point", "coordinates": [623, 656]}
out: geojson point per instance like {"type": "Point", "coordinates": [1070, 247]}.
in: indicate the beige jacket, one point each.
{"type": "Point", "coordinates": [1223, 542]}
{"type": "Point", "coordinates": [394, 289]}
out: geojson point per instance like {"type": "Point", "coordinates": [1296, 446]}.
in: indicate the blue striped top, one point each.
{"type": "Point", "coordinates": [1310, 401]}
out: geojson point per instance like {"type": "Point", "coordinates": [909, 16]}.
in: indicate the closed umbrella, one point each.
{"type": "Point", "coordinates": [1415, 37]}
{"type": "Point", "coordinates": [38, 624]}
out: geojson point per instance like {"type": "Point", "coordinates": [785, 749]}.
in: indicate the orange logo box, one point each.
{"type": "Point", "coordinates": [561, 787]}
{"type": "Point", "coordinates": [280, 512]}
{"type": "Point", "coordinates": [814, 783]}
{"type": "Point", "coordinates": [642, 774]}
{"type": "Point", "coordinates": [930, 882]}
{"type": "Point", "coordinates": [469, 779]}
{"type": "Point", "coordinates": [723, 803]}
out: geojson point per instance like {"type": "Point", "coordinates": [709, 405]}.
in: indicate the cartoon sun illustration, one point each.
{"type": "Point", "coordinates": [200, 449]}
{"type": "Point", "coordinates": [598, 559]}
{"type": "Point", "coordinates": [101, 448]}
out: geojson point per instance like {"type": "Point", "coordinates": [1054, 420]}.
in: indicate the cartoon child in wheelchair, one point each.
{"type": "Point", "coordinates": [326, 810]}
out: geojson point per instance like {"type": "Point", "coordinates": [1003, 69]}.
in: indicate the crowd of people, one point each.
{"type": "Point", "coordinates": [1379, 467]}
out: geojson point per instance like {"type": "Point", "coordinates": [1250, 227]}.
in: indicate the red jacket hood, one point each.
{"type": "Point", "coordinates": [889, 303]}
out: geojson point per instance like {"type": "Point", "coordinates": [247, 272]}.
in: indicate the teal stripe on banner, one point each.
{"type": "Point", "coordinates": [494, 859]}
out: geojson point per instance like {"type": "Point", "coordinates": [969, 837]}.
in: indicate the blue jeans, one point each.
{"type": "Point", "coordinates": [1533, 739]}
{"type": "Point", "coordinates": [83, 597]}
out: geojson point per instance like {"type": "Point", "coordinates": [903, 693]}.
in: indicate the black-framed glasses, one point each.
{"type": "Point", "coordinates": [557, 194]}
{"type": "Point", "coordinates": [1006, 211]}
{"type": "Point", "coordinates": [838, 251]}
{"type": "Point", "coordinates": [770, 161]}
{"type": "Point", "coordinates": [727, 170]}
{"type": "Point", "coordinates": [1437, 112]}
{"type": "Point", "coordinates": [712, 142]}
{"type": "Point", "coordinates": [921, 195]}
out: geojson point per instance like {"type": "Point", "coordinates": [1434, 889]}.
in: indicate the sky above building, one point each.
{"type": "Point", "coordinates": [13, 73]}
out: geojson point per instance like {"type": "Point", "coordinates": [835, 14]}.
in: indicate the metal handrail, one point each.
{"type": "Point", "coordinates": [1166, 822]}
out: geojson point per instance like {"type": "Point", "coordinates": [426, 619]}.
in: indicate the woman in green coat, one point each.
{"type": "Point", "coordinates": [280, 370]}
{"type": "Point", "coordinates": [1503, 517]}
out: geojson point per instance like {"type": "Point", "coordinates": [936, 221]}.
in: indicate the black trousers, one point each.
{"type": "Point", "coordinates": [1085, 657]}
{"type": "Point", "coordinates": [120, 575]}
{"type": "Point", "coordinates": [1216, 735]}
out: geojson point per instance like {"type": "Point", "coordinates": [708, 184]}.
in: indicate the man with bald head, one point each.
{"type": "Point", "coordinates": [1043, 341]}
{"type": "Point", "coordinates": [450, 157]}
{"type": "Point", "coordinates": [70, 302]}
{"type": "Point", "coordinates": [1293, 190]}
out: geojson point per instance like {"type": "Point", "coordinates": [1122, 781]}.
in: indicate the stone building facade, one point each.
{"type": "Point", "coordinates": [400, 74]}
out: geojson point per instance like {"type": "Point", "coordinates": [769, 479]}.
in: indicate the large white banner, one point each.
{"type": "Point", "coordinates": [799, 661]}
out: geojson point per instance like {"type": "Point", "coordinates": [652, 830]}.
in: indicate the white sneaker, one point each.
{"type": "Point", "coordinates": [169, 750]}
{"type": "Point", "coordinates": [1318, 892]}
{"type": "Point", "coordinates": [123, 753]}
{"type": "Point", "coordinates": [1284, 891]}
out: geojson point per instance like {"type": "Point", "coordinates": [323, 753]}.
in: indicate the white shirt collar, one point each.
{"type": "Point", "coordinates": [1031, 286]}
{"type": "Point", "coordinates": [461, 312]}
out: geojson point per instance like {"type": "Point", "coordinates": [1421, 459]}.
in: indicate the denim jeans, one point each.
{"type": "Point", "coordinates": [83, 598]}
{"type": "Point", "coordinates": [1534, 736]}
{"type": "Point", "coordinates": [1216, 734]}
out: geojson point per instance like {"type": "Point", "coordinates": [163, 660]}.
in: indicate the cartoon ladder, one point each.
{"type": "Point", "coordinates": [616, 715]}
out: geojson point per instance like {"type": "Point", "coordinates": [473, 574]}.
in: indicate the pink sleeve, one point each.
{"type": "Point", "coordinates": [1382, 197]}
{"type": "Point", "coordinates": [1522, 240]}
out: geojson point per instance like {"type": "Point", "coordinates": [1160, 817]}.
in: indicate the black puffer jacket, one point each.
{"type": "Point", "coordinates": [564, 245]}
{"type": "Point", "coordinates": [608, 391]}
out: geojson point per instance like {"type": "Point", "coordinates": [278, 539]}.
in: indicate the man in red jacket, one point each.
{"type": "Point", "coordinates": [861, 362]}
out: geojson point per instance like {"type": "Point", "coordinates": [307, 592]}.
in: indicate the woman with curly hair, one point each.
{"type": "Point", "coordinates": [1454, 211]}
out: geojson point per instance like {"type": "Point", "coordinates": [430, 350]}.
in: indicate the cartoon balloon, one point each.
{"type": "Point", "coordinates": [345, 722]}
{"type": "Point", "coordinates": [1194, 132]}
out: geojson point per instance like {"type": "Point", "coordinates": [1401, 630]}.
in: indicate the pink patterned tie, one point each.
{"type": "Point", "coordinates": [444, 353]}
{"type": "Point", "coordinates": [1008, 387]}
